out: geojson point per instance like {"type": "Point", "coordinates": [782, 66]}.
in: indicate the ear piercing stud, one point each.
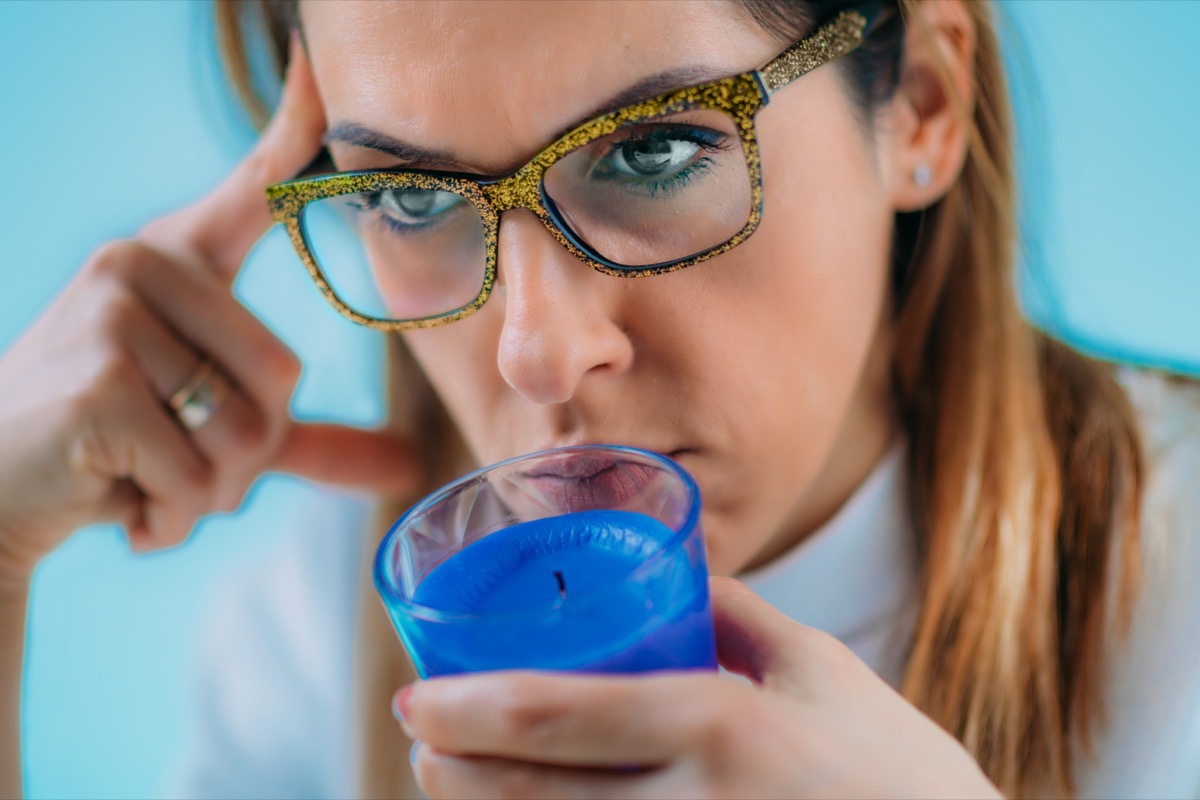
{"type": "Point", "coordinates": [922, 175]}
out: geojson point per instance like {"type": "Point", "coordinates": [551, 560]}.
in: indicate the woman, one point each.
{"type": "Point", "coordinates": [839, 360]}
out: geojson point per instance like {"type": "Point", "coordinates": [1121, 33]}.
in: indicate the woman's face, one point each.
{"type": "Point", "coordinates": [764, 371]}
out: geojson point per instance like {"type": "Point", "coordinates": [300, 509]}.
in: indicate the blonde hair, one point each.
{"type": "Point", "coordinates": [1024, 462]}
{"type": "Point", "coordinates": [1026, 474]}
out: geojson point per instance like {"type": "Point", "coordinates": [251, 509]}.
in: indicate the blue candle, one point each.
{"type": "Point", "coordinates": [594, 591]}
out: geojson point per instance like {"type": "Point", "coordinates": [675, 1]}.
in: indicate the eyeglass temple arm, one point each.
{"type": "Point", "coordinates": [831, 41]}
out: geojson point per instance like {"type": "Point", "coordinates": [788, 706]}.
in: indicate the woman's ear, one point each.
{"type": "Point", "coordinates": [931, 113]}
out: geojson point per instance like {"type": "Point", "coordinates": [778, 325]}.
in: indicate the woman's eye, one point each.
{"type": "Point", "coordinates": [651, 158]}
{"type": "Point", "coordinates": [415, 205]}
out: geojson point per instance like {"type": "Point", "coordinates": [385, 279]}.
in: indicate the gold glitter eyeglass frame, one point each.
{"type": "Point", "coordinates": [741, 97]}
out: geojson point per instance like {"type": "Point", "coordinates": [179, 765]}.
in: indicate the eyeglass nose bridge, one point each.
{"type": "Point", "coordinates": [522, 189]}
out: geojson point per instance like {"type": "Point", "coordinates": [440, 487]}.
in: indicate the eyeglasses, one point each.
{"type": "Point", "coordinates": [653, 187]}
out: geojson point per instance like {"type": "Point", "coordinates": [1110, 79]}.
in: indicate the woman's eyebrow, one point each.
{"type": "Point", "coordinates": [362, 136]}
{"type": "Point", "coordinates": [654, 85]}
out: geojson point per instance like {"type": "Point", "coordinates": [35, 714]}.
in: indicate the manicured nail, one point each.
{"type": "Point", "coordinates": [412, 754]}
{"type": "Point", "coordinates": [400, 703]}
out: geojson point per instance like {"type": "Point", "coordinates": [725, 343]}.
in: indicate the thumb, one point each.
{"type": "Point", "coordinates": [754, 639]}
{"type": "Point", "coordinates": [376, 461]}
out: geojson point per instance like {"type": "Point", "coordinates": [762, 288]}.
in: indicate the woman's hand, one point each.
{"type": "Point", "coordinates": [816, 722]}
{"type": "Point", "coordinates": [87, 432]}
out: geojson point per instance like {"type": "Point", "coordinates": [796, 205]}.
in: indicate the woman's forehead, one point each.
{"type": "Point", "coordinates": [493, 82]}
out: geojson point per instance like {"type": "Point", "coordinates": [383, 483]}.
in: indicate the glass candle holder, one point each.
{"type": "Point", "coordinates": [582, 558]}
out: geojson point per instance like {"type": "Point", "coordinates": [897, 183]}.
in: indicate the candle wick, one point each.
{"type": "Point", "coordinates": [562, 585]}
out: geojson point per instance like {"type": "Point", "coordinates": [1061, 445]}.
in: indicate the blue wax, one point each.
{"type": "Point", "coordinates": [567, 593]}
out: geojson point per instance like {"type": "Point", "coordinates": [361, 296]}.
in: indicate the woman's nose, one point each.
{"type": "Point", "coordinates": [561, 318]}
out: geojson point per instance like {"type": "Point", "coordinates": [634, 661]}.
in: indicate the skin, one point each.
{"type": "Point", "coordinates": [767, 366]}
{"type": "Point", "coordinates": [88, 438]}
{"type": "Point", "coordinates": [815, 722]}
{"type": "Point", "coordinates": [764, 370]}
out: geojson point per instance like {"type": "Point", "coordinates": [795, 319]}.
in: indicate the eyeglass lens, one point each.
{"type": "Point", "coordinates": [655, 191]}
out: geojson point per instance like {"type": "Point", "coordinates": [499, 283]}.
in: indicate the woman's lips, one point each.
{"type": "Point", "coordinates": [576, 465]}
{"type": "Point", "coordinates": [583, 482]}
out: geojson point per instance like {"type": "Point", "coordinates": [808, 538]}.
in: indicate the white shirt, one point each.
{"type": "Point", "coordinates": [275, 711]}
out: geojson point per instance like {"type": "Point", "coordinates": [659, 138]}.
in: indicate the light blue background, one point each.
{"type": "Point", "coordinates": [111, 113]}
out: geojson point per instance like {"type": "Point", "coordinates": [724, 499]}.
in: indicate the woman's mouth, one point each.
{"type": "Point", "coordinates": [584, 481]}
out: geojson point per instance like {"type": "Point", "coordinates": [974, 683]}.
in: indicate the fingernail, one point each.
{"type": "Point", "coordinates": [400, 704]}
{"type": "Point", "coordinates": [412, 754]}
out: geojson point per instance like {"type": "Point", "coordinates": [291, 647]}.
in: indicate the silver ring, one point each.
{"type": "Point", "coordinates": [197, 401]}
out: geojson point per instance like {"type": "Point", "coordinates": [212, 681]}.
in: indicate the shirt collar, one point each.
{"type": "Point", "coordinates": [858, 571]}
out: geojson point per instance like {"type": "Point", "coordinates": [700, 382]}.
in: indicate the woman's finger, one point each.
{"type": "Point", "coordinates": [203, 313]}
{"type": "Point", "coordinates": [572, 719]}
{"type": "Point", "coordinates": [376, 461]}
{"type": "Point", "coordinates": [220, 229]}
{"type": "Point", "coordinates": [123, 506]}
{"type": "Point", "coordinates": [234, 439]}
{"type": "Point", "coordinates": [758, 641]}
{"type": "Point", "coordinates": [752, 635]}
{"type": "Point", "coordinates": [134, 438]}
{"type": "Point", "coordinates": [255, 419]}
{"type": "Point", "coordinates": [166, 360]}
{"type": "Point", "coordinates": [447, 776]}
{"type": "Point", "coordinates": [173, 316]}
